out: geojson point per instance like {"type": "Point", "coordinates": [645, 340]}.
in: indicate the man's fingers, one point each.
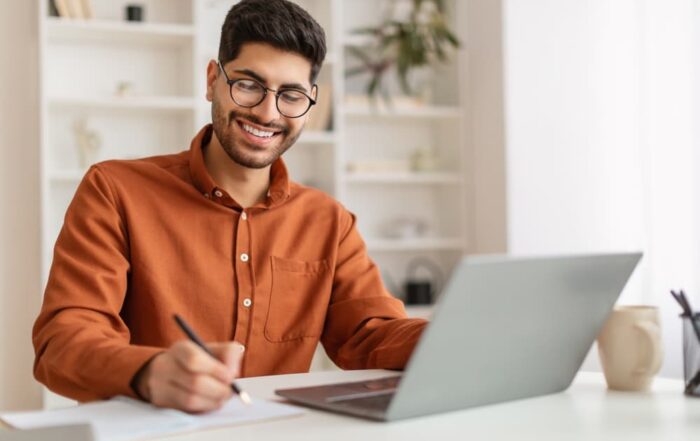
{"type": "Point", "coordinates": [230, 354]}
{"type": "Point", "coordinates": [202, 384]}
{"type": "Point", "coordinates": [181, 398]}
{"type": "Point", "coordinates": [186, 377]}
{"type": "Point", "coordinates": [194, 359]}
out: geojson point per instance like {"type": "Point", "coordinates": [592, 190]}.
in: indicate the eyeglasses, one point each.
{"type": "Point", "coordinates": [245, 92]}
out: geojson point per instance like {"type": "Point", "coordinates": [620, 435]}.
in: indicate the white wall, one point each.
{"type": "Point", "coordinates": [574, 166]}
{"type": "Point", "coordinates": [599, 139]}
{"type": "Point", "coordinates": [19, 206]}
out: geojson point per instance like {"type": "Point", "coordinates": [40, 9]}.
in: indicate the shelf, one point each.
{"type": "Point", "coordinates": [419, 311]}
{"type": "Point", "coordinates": [176, 104]}
{"type": "Point", "coordinates": [421, 244]}
{"type": "Point", "coordinates": [111, 31]}
{"type": "Point", "coordinates": [317, 137]}
{"type": "Point", "coordinates": [404, 178]}
{"type": "Point", "coordinates": [427, 112]}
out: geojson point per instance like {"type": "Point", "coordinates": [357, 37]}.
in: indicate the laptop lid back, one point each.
{"type": "Point", "coordinates": [510, 328]}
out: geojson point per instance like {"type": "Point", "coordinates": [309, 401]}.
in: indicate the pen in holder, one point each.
{"type": "Point", "coordinates": [691, 354]}
{"type": "Point", "coordinates": [691, 344]}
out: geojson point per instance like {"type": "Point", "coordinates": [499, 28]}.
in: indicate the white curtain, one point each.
{"type": "Point", "coordinates": [602, 140]}
{"type": "Point", "coordinates": [672, 162]}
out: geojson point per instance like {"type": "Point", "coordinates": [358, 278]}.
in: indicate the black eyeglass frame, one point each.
{"type": "Point", "coordinates": [277, 93]}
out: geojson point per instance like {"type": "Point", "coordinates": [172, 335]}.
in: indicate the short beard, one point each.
{"type": "Point", "coordinates": [235, 148]}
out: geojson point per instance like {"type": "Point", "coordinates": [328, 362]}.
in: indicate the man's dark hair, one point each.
{"type": "Point", "coordinates": [279, 23]}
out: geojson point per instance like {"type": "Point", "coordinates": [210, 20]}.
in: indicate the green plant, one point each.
{"type": "Point", "coordinates": [421, 39]}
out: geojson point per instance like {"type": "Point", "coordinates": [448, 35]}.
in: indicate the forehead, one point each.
{"type": "Point", "coordinates": [275, 65]}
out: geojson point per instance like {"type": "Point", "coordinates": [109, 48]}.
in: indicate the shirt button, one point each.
{"type": "Point", "coordinates": [247, 303]}
{"type": "Point", "coordinates": [218, 193]}
{"type": "Point", "coordinates": [242, 348]}
{"type": "Point", "coordinates": [244, 215]}
{"type": "Point", "coordinates": [244, 257]}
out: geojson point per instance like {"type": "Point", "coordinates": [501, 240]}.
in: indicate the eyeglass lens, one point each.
{"type": "Point", "coordinates": [248, 93]}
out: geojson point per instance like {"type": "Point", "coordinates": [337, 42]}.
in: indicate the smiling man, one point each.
{"type": "Point", "coordinates": [262, 268]}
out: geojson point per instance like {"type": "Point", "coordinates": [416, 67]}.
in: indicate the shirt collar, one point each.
{"type": "Point", "coordinates": [279, 177]}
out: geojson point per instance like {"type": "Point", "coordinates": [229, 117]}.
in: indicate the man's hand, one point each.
{"type": "Point", "coordinates": [187, 378]}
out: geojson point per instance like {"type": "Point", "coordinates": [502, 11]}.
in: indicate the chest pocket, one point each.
{"type": "Point", "coordinates": [298, 300]}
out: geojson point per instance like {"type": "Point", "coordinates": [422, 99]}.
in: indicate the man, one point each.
{"type": "Point", "coordinates": [260, 266]}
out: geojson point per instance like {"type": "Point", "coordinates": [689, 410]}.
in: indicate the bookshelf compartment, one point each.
{"type": "Point", "coordinates": [86, 70]}
{"type": "Point", "coordinates": [123, 134]}
{"type": "Point", "coordinates": [154, 11]}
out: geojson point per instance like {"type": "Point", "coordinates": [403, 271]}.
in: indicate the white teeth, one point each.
{"type": "Point", "coordinates": [257, 132]}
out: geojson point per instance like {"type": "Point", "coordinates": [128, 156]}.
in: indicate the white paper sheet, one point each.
{"type": "Point", "coordinates": [122, 419]}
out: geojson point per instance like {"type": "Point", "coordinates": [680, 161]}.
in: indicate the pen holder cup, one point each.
{"type": "Point", "coordinates": [691, 355]}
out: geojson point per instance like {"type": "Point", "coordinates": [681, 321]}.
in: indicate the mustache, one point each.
{"type": "Point", "coordinates": [255, 120]}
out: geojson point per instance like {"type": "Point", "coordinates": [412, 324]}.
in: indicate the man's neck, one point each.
{"type": "Point", "coordinates": [245, 185]}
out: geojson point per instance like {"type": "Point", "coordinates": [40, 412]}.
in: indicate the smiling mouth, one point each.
{"type": "Point", "coordinates": [257, 133]}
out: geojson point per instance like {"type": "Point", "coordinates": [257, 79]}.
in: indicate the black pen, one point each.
{"type": "Point", "coordinates": [243, 395]}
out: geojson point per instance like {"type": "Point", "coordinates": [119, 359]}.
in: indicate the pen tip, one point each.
{"type": "Point", "coordinates": [245, 398]}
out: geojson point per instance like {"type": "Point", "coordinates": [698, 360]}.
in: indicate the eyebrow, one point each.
{"type": "Point", "coordinates": [261, 79]}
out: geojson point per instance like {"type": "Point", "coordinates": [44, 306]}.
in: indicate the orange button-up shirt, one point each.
{"type": "Point", "coordinates": [145, 239]}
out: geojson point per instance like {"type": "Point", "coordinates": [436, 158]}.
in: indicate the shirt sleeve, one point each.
{"type": "Point", "coordinates": [82, 345]}
{"type": "Point", "coordinates": [366, 328]}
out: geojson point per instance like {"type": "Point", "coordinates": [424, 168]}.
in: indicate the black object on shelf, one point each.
{"type": "Point", "coordinates": [422, 291]}
{"type": "Point", "coordinates": [134, 13]}
{"type": "Point", "coordinates": [419, 292]}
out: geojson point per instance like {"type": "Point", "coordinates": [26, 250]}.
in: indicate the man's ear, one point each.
{"type": "Point", "coordinates": [314, 95]}
{"type": "Point", "coordinates": [212, 75]}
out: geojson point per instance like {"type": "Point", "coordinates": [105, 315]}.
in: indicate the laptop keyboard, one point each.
{"type": "Point", "coordinates": [384, 383]}
{"type": "Point", "coordinates": [364, 389]}
{"type": "Point", "coordinates": [376, 402]}
{"type": "Point", "coordinates": [369, 396]}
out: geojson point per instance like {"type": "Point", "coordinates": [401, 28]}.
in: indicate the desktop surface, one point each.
{"type": "Point", "coordinates": [585, 411]}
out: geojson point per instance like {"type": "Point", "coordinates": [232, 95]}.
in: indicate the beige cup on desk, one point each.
{"type": "Point", "coordinates": [630, 348]}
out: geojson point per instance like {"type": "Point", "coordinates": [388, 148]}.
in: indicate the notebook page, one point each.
{"type": "Point", "coordinates": [119, 419]}
{"type": "Point", "coordinates": [235, 412]}
{"type": "Point", "coordinates": [124, 419]}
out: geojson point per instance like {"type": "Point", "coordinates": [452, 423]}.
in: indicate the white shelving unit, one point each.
{"type": "Point", "coordinates": [144, 103]}
{"type": "Point", "coordinates": [164, 62]}
{"type": "Point", "coordinates": [109, 31]}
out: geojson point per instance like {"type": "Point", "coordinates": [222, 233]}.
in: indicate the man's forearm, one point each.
{"type": "Point", "coordinates": [379, 344]}
{"type": "Point", "coordinates": [77, 362]}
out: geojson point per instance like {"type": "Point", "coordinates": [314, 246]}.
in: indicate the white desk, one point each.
{"type": "Point", "coordinates": [586, 411]}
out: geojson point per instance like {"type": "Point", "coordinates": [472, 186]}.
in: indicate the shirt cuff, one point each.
{"type": "Point", "coordinates": [124, 366]}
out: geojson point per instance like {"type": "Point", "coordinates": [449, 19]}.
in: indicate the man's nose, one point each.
{"type": "Point", "coordinates": [267, 111]}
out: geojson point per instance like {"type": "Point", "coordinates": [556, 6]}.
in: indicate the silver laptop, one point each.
{"type": "Point", "coordinates": [503, 329]}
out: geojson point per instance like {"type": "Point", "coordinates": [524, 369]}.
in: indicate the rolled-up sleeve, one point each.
{"type": "Point", "coordinates": [81, 343]}
{"type": "Point", "coordinates": [366, 327]}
